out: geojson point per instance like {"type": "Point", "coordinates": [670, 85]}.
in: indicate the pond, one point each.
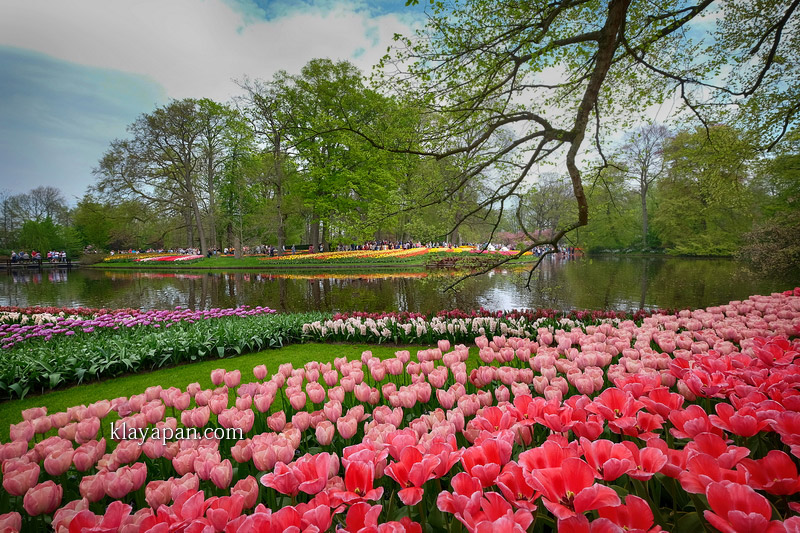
{"type": "Point", "coordinates": [601, 282]}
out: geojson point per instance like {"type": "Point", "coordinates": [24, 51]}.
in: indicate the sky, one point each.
{"type": "Point", "coordinates": [74, 74]}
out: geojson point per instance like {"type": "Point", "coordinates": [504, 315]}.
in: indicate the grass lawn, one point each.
{"type": "Point", "coordinates": [181, 376]}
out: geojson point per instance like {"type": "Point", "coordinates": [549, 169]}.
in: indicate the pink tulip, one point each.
{"type": "Point", "coordinates": [362, 391]}
{"type": "Point", "coordinates": [277, 421]}
{"type": "Point", "coordinates": [222, 474]}
{"type": "Point", "coordinates": [19, 480]}
{"type": "Point", "coordinates": [244, 402]}
{"type": "Point", "coordinates": [260, 372]}
{"type": "Point", "coordinates": [241, 451]}
{"type": "Point", "coordinates": [232, 379]}
{"type": "Point", "coordinates": [11, 522]}
{"type": "Point", "coordinates": [247, 488]}
{"type": "Point", "coordinates": [331, 377]}
{"type": "Point", "coordinates": [217, 376]}
{"type": "Point", "coordinates": [187, 483]}
{"type": "Point", "coordinates": [263, 402]}
{"type": "Point", "coordinates": [58, 461]}
{"type": "Point", "coordinates": [347, 427]}
{"type": "Point", "coordinates": [154, 448]}
{"type": "Point", "coordinates": [22, 431]}
{"type": "Point", "coordinates": [87, 429]}
{"type": "Point", "coordinates": [43, 498]}
{"type": "Point", "coordinates": [125, 480]}
{"type": "Point", "coordinates": [158, 493]}
{"type": "Point", "coordinates": [325, 432]}
{"type": "Point", "coordinates": [315, 392]}
{"type": "Point", "coordinates": [91, 487]}
{"type": "Point", "coordinates": [332, 410]}
{"type": "Point", "coordinates": [301, 420]}
{"type": "Point", "coordinates": [127, 451]}
{"type": "Point", "coordinates": [298, 400]}
{"type": "Point", "coordinates": [34, 413]}
{"type": "Point", "coordinates": [217, 403]}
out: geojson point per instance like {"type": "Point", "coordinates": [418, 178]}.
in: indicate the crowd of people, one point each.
{"type": "Point", "coordinates": [52, 256]}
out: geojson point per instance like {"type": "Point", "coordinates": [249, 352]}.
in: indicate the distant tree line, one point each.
{"type": "Point", "coordinates": [299, 159]}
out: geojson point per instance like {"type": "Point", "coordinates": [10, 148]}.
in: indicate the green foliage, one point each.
{"type": "Point", "coordinates": [614, 216]}
{"type": "Point", "coordinates": [774, 246]}
{"type": "Point", "coordinates": [703, 206]}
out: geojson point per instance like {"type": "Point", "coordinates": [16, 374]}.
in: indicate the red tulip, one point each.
{"type": "Point", "coordinates": [358, 481]}
{"type": "Point", "coordinates": [362, 515]}
{"type": "Point", "coordinates": [609, 460]}
{"type": "Point", "coordinates": [737, 508]}
{"type": "Point", "coordinates": [223, 510]}
{"type": "Point", "coordinates": [634, 515]}
{"type": "Point", "coordinates": [515, 488]}
{"type": "Point", "coordinates": [776, 473]}
{"type": "Point", "coordinates": [702, 469]}
{"type": "Point", "coordinates": [411, 472]}
{"type": "Point", "coordinates": [570, 489]}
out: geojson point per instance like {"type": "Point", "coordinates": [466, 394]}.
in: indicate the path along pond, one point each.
{"type": "Point", "coordinates": [602, 282]}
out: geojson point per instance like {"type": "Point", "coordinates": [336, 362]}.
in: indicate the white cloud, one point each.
{"type": "Point", "coordinates": [195, 48]}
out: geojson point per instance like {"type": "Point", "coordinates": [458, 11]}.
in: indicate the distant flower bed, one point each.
{"type": "Point", "coordinates": [169, 258]}
{"type": "Point", "coordinates": [681, 422]}
{"type": "Point", "coordinates": [147, 257]}
{"type": "Point", "coordinates": [370, 255]}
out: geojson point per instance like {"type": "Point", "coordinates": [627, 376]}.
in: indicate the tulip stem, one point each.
{"type": "Point", "coordinates": [421, 516]}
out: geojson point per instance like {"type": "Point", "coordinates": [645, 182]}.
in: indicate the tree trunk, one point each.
{"type": "Point", "coordinates": [644, 218]}
{"type": "Point", "coordinates": [197, 216]}
{"type": "Point", "coordinates": [212, 206]}
{"type": "Point", "coordinates": [279, 196]}
{"type": "Point", "coordinates": [314, 232]}
{"type": "Point", "coordinates": [237, 246]}
{"type": "Point", "coordinates": [187, 219]}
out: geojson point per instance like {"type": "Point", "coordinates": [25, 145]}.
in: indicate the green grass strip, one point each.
{"type": "Point", "coordinates": [182, 375]}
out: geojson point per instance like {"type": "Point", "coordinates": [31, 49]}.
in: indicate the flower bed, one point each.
{"type": "Point", "coordinates": [73, 349]}
{"type": "Point", "coordinates": [169, 258]}
{"type": "Point", "coordinates": [455, 325]}
{"type": "Point", "coordinates": [683, 422]}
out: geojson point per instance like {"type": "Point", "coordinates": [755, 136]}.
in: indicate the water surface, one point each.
{"type": "Point", "coordinates": [606, 282]}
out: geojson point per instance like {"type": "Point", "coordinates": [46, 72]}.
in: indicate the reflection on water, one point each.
{"type": "Point", "coordinates": [593, 283]}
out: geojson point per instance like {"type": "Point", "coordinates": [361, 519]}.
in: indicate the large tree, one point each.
{"type": "Point", "coordinates": [172, 161]}
{"type": "Point", "coordinates": [643, 156]}
{"type": "Point", "coordinates": [555, 72]}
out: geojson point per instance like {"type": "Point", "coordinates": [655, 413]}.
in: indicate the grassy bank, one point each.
{"type": "Point", "coordinates": [334, 260]}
